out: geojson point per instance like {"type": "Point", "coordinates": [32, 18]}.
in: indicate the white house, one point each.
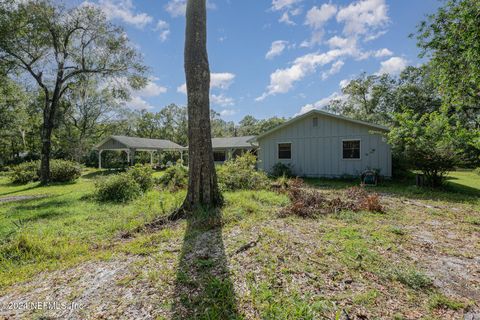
{"type": "Point", "coordinates": [321, 144]}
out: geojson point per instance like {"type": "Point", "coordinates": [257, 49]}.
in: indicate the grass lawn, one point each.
{"type": "Point", "coordinates": [419, 260]}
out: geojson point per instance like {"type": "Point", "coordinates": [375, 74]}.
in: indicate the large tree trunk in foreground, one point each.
{"type": "Point", "coordinates": [202, 179]}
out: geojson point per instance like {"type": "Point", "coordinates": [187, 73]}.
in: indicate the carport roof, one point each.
{"type": "Point", "coordinates": [143, 143]}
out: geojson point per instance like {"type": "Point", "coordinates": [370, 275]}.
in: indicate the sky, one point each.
{"type": "Point", "coordinates": [270, 57]}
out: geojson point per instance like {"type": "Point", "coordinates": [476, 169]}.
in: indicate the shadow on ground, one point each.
{"type": "Point", "coordinates": [203, 288]}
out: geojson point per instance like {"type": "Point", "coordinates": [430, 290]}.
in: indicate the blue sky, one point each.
{"type": "Point", "coordinates": [271, 57]}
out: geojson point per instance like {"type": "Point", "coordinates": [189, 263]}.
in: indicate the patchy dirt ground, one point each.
{"type": "Point", "coordinates": [20, 198]}
{"type": "Point", "coordinates": [419, 260]}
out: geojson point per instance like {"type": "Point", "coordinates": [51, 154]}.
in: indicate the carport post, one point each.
{"type": "Point", "coordinates": [100, 159]}
{"type": "Point", "coordinates": [151, 158]}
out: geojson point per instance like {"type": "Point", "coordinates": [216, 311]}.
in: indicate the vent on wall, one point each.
{"type": "Point", "coordinates": [315, 122]}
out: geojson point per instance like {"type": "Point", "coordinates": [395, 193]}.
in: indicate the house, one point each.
{"type": "Point", "coordinates": [321, 144]}
{"type": "Point", "coordinates": [228, 148]}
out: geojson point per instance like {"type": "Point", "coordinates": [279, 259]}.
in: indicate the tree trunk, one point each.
{"type": "Point", "coordinates": [47, 128]}
{"type": "Point", "coordinates": [202, 179]}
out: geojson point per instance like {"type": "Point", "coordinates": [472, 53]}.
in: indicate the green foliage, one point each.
{"type": "Point", "coordinates": [60, 171]}
{"type": "Point", "coordinates": [117, 188]}
{"type": "Point", "coordinates": [429, 143]}
{"type": "Point", "coordinates": [451, 38]}
{"type": "Point", "coordinates": [142, 174]}
{"type": "Point", "coordinates": [174, 178]}
{"type": "Point", "coordinates": [282, 170]}
{"type": "Point", "coordinates": [412, 278]}
{"type": "Point", "coordinates": [240, 174]}
{"type": "Point", "coordinates": [439, 301]}
{"type": "Point", "coordinates": [477, 171]}
{"type": "Point", "coordinates": [25, 172]}
{"type": "Point", "coordinates": [64, 171]}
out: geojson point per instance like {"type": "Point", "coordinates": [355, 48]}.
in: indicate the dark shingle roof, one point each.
{"type": "Point", "coordinates": [143, 143]}
{"type": "Point", "coordinates": [232, 142]}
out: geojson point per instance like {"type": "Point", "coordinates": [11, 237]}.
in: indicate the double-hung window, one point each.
{"type": "Point", "coordinates": [351, 149]}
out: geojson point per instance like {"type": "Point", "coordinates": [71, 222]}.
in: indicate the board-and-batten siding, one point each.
{"type": "Point", "coordinates": [317, 151]}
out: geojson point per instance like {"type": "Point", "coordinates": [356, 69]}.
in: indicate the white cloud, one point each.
{"type": "Point", "coordinates": [383, 53]}
{"type": "Point", "coordinates": [177, 8]}
{"type": "Point", "coordinates": [362, 16]}
{"type": "Point", "coordinates": [221, 80]}
{"type": "Point", "coordinates": [282, 4]}
{"type": "Point", "coordinates": [317, 17]}
{"type": "Point", "coordinates": [138, 103]}
{"type": "Point", "coordinates": [393, 65]}
{"type": "Point", "coordinates": [282, 80]}
{"type": "Point", "coordinates": [152, 89]}
{"type": "Point", "coordinates": [343, 83]}
{"type": "Point", "coordinates": [227, 112]}
{"type": "Point", "coordinates": [163, 29]}
{"type": "Point", "coordinates": [182, 88]}
{"type": "Point", "coordinates": [221, 100]}
{"type": "Point", "coordinates": [320, 104]}
{"type": "Point", "coordinates": [285, 18]}
{"type": "Point", "coordinates": [334, 69]}
{"type": "Point", "coordinates": [276, 49]}
{"type": "Point", "coordinates": [123, 10]}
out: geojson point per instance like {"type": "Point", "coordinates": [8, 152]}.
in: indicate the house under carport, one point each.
{"type": "Point", "coordinates": [130, 145]}
{"type": "Point", "coordinates": [229, 148]}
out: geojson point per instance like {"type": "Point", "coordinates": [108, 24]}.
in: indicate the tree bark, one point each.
{"type": "Point", "coordinates": [46, 134]}
{"type": "Point", "coordinates": [202, 179]}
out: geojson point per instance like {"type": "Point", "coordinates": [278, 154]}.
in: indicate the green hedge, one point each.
{"type": "Point", "coordinates": [60, 171]}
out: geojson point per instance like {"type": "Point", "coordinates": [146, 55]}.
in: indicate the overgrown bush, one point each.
{"type": "Point", "coordinates": [174, 178]}
{"type": "Point", "coordinates": [142, 175]}
{"type": "Point", "coordinates": [117, 188]}
{"type": "Point", "coordinates": [281, 170]}
{"type": "Point", "coordinates": [240, 174]}
{"type": "Point", "coordinates": [64, 171]}
{"type": "Point", "coordinates": [307, 202]}
{"type": "Point", "coordinates": [477, 171]}
{"type": "Point", "coordinates": [25, 172]}
{"type": "Point", "coordinates": [60, 171]}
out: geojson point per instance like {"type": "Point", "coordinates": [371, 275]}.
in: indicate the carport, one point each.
{"type": "Point", "coordinates": [131, 145]}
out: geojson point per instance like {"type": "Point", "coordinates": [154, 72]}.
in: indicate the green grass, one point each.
{"type": "Point", "coordinates": [299, 269]}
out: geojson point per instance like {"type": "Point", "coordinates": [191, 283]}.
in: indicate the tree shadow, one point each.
{"type": "Point", "coordinates": [203, 288]}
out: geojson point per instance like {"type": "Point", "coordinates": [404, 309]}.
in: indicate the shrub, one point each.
{"type": "Point", "coordinates": [60, 171]}
{"type": "Point", "coordinates": [117, 188]}
{"type": "Point", "coordinates": [174, 178]}
{"type": "Point", "coordinates": [477, 171]}
{"type": "Point", "coordinates": [64, 171]}
{"type": "Point", "coordinates": [240, 174]}
{"type": "Point", "coordinates": [25, 172]}
{"type": "Point", "coordinates": [281, 169]}
{"type": "Point", "coordinates": [142, 175]}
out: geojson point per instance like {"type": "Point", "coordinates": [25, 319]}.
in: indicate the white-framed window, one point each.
{"type": "Point", "coordinates": [351, 149]}
{"type": "Point", "coordinates": [315, 122]}
{"type": "Point", "coordinates": [285, 151]}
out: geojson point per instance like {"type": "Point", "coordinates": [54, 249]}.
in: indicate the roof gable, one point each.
{"type": "Point", "coordinates": [324, 114]}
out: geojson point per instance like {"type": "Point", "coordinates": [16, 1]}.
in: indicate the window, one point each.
{"type": "Point", "coordinates": [351, 149]}
{"type": "Point", "coordinates": [219, 156]}
{"type": "Point", "coordinates": [315, 122]}
{"type": "Point", "coordinates": [284, 151]}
